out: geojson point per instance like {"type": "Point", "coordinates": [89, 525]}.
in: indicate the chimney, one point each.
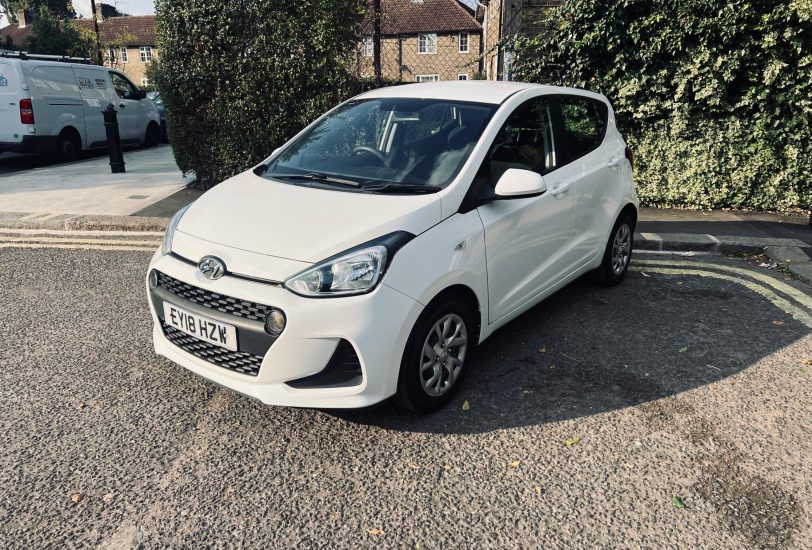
{"type": "Point", "coordinates": [24, 18]}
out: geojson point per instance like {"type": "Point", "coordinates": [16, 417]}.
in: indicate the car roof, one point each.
{"type": "Point", "coordinates": [478, 91]}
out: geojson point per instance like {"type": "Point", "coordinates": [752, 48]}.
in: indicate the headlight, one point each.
{"type": "Point", "coordinates": [356, 271]}
{"type": "Point", "coordinates": [166, 245]}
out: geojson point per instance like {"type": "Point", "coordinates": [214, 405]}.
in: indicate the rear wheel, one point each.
{"type": "Point", "coordinates": [618, 252]}
{"type": "Point", "coordinates": [152, 136]}
{"type": "Point", "coordinates": [434, 361]}
{"type": "Point", "coordinates": [68, 147]}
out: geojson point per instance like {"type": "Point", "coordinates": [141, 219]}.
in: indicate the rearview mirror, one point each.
{"type": "Point", "coordinates": [516, 183]}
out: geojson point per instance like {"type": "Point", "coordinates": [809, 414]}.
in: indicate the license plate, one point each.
{"type": "Point", "coordinates": [203, 328]}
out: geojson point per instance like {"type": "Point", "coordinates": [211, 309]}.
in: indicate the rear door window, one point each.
{"type": "Point", "coordinates": [584, 121]}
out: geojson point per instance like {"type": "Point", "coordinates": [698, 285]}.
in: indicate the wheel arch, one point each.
{"type": "Point", "coordinates": [468, 296]}
{"type": "Point", "coordinates": [73, 131]}
{"type": "Point", "coordinates": [631, 210]}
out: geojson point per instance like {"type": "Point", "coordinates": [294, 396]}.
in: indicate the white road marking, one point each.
{"type": "Point", "coordinates": [651, 236]}
{"type": "Point", "coordinates": [35, 215]}
{"type": "Point", "coordinates": [781, 286]}
{"type": "Point", "coordinates": [686, 253]}
{"type": "Point", "coordinates": [79, 246]}
{"type": "Point", "coordinates": [714, 239]}
{"type": "Point", "coordinates": [46, 240]}
{"type": "Point", "coordinates": [81, 233]}
{"type": "Point", "coordinates": [779, 302]}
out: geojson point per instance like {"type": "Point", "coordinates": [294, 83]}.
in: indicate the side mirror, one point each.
{"type": "Point", "coordinates": [516, 183]}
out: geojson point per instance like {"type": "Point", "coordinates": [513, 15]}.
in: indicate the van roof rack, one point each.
{"type": "Point", "coordinates": [43, 57]}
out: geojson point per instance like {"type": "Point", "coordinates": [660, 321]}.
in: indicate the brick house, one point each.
{"type": "Point", "coordinates": [423, 40]}
{"type": "Point", "coordinates": [504, 20]}
{"type": "Point", "coordinates": [128, 42]}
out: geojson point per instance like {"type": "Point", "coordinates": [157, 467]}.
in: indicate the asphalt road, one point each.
{"type": "Point", "coordinates": [678, 385]}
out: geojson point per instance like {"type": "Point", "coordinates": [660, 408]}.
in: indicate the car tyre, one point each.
{"type": "Point", "coordinates": [618, 252]}
{"type": "Point", "coordinates": [152, 136]}
{"type": "Point", "coordinates": [437, 355]}
{"type": "Point", "coordinates": [68, 147]}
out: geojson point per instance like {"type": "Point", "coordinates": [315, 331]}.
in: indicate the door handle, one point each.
{"type": "Point", "coordinates": [560, 189]}
{"type": "Point", "coordinates": [613, 162]}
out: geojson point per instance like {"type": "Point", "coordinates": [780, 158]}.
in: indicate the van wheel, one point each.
{"type": "Point", "coordinates": [618, 252]}
{"type": "Point", "coordinates": [436, 354]}
{"type": "Point", "coordinates": [152, 136]}
{"type": "Point", "coordinates": [68, 147]}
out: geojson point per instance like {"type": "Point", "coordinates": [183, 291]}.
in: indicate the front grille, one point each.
{"type": "Point", "coordinates": [211, 300]}
{"type": "Point", "coordinates": [237, 361]}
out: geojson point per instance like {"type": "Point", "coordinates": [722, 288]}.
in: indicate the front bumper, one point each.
{"type": "Point", "coordinates": [377, 326]}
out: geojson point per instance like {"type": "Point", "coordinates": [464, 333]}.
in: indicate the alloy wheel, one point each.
{"type": "Point", "coordinates": [443, 355]}
{"type": "Point", "coordinates": [621, 249]}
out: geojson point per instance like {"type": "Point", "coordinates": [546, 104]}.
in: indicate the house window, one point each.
{"type": "Point", "coordinates": [462, 76]}
{"type": "Point", "coordinates": [124, 54]}
{"type": "Point", "coordinates": [112, 55]}
{"type": "Point", "coordinates": [463, 42]}
{"type": "Point", "coordinates": [146, 54]}
{"type": "Point", "coordinates": [145, 82]}
{"type": "Point", "coordinates": [427, 43]}
{"type": "Point", "coordinates": [426, 77]}
{"type": "Point", "coordinates": [369, 47]}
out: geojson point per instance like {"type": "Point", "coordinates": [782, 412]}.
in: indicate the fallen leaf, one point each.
{"type": "Point", "coordinates": [645, 274]}
{"type": "Point", "coordinates": [684, 349]}
{"type": "Point", "coordinates": [573, 440]}
{"type": "Point", "coordinates": [376, 532]}
{"type": "Point", "coordinates": [807, 361]}
{"type": "Point", "coordinates": [679, 283]}
{"type": "Point", "coordinates": [543, 349]}
{"type": "Point", "coordinates": [677, 502]}
{"type": "Point", "coordinates": [77, 497]}
{"type": "Point", "coordinates": [447, 467]}
{"type": "Point", "coordinates": [778, 323]}
{"type": "Point", "coordinates": [552, 366]}
{"type": "Point", "coordinates": [414, 466]}
{"type": "Point", "coordinates": [466, 406]}
{"type": "Point", "coordinates": [80, 406]}
{"type": "Point", "coordinates": [515, 463]}
{"type": "Point", "coordinates": [527, 391]}
{"type": "Point", "coordinates": [108, 498]}
{"type": "Point", "coordinates": [538, 490]}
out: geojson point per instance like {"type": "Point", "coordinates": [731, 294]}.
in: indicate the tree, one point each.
{"type": "Point", "coordinates": [714, 95]}
{"type": "Point", "coordinates": [239, 77]}
{"type": "Point", "coordinates": [55, 37]}
{"type": "Point", "coordinates": [61, 9]}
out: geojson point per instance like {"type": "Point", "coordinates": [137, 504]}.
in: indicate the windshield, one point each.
{"type": "Point", "coordinates": [415, 144]}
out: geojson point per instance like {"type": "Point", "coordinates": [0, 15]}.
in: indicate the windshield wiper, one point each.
{"type": "Point", "coordinates": [315, 176]}
{"type": "Point", "coordinates": [394, 187]}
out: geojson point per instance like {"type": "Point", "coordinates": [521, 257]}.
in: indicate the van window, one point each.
{"type": "Point", "coordinates": [584, 125]}
{"type": "Point", "coordinates": [124, 88]}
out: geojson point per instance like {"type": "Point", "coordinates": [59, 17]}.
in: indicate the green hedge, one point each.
{"type": "Point", "coordinates": [240, 77]}
{"type": "Point", "coordinates": [714, 97]}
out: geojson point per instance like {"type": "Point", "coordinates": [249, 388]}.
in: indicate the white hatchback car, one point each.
{"type": "Point", "coordinates": [370, 254]}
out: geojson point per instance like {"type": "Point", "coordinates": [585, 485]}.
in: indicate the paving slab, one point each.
{"type": "Point", "coordinates": [88, 186]}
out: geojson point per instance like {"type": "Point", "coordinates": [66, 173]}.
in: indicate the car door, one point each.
{"type": "Point", "coordinates": [528, 241]}
{"type": "Point", "coordinates": [94, 91]}
{"type": "Point", "coordinates": [129, 109]}
{"type": "Point", "coordinates": [594, 159]}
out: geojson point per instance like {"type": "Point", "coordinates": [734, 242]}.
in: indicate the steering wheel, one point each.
{"type": "Point", "coordinates": [371, 151]}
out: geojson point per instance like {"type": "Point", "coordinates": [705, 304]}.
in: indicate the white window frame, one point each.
{"type": "Point", "coordinates": [124, 58]}
{"type": "Point", "coordinates": [426, 78]}
{"type": "Point", "coordinates": [145, 82]}
{"type": "Point", "coordinates": [467, 36]}
{"type": "Point", "coordinates": [368, 47]}
{"type": "Point", "coordinates": [146, 53]}
{"type": "Point", "coordinates": [427, 43]}
{"type": "Point", "coordinates": [462, 76]}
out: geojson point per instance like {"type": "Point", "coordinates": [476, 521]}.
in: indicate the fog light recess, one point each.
{"type": "Point", "coordinates": [275, 322]}
{"type": "Point", "coordinates": [153, 279]}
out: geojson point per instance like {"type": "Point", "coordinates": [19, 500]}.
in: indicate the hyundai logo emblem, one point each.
{"type": "Point", "coordinates": [211, 267]}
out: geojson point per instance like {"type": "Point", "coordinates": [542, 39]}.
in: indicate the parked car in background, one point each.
{"type": "Point", "coordinates": [370, 254]}
{"type": "Point", "coordinates": [159, 104]}
{"type": "Point", "coordinates": [50, 105]}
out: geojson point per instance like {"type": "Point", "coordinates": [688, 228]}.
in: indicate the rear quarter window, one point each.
{"type": "Point", "coordinates": [584, 121]}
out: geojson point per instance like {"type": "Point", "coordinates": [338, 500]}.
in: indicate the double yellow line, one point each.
{"type": "Point", "coordinates": [146, 241]}
{"type": "Point", "coordinates": [792, 301]}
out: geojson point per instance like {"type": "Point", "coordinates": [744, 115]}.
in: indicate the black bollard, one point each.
{"type": "Point", "coordinates": [113, 139]}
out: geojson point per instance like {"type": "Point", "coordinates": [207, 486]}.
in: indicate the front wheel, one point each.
{"type": "Point", "coordinates": [618, 252]}
{"type": "Point", "coordinates": [434, 361]}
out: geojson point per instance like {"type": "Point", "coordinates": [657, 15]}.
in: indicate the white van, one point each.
{"type": "Point", "coordinates": [50, 105]}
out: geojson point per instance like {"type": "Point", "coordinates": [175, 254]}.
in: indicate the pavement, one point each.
{"type": "Point", "coordinates": [671, 411]}
{"type": "Point", "coordinates": [31, 190]}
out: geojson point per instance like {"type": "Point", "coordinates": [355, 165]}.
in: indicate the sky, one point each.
{"type": "Point", "coordinates": [133, 7]}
